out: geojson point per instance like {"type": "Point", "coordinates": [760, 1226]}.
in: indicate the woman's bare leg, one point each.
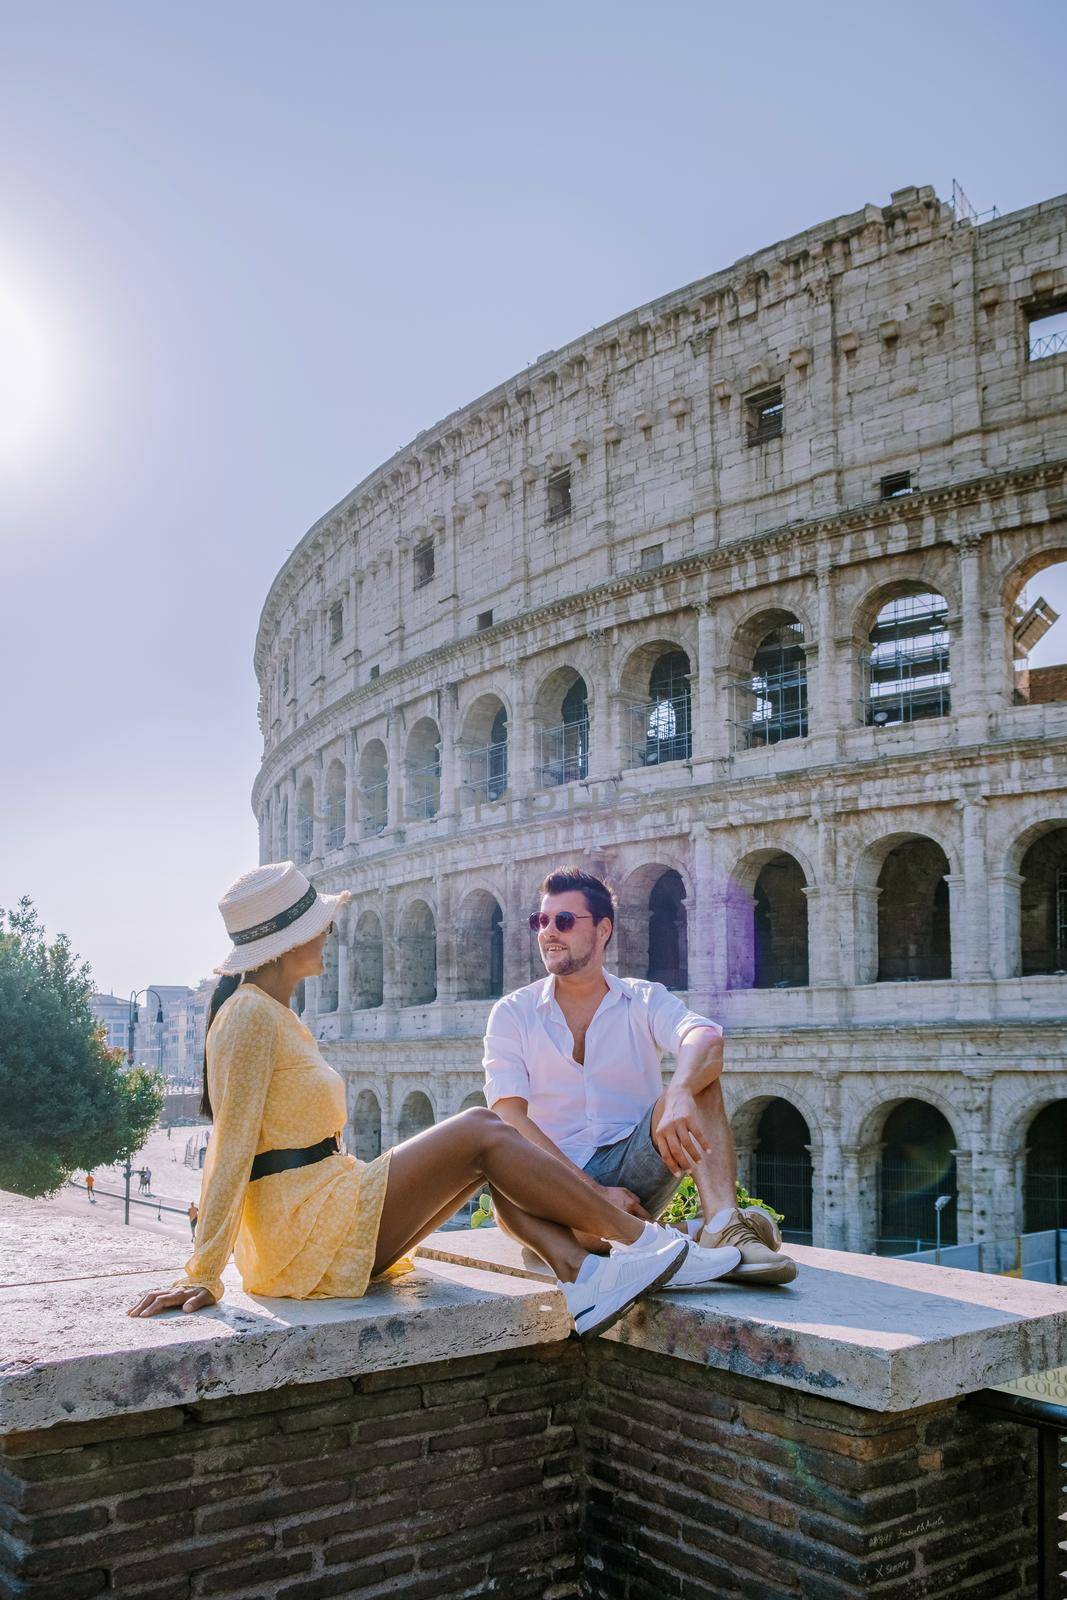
{"type": "Point", "coordinates": [427, 1173]}
{"type": "Point", "coordinates": [549, 1240]}
{"type": "Point", "coordinates": [448, 1210]}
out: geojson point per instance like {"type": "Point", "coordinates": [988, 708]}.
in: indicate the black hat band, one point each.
{"type": "Point", "coordinates": [263, 930]}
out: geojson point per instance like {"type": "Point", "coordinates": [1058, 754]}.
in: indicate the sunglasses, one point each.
{"type": "Point", "coordinates": [564, 920]}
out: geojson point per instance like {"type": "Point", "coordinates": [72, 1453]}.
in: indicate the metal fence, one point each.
{"type": "Point", "coordinates": [785, 1183]}
{"type": "Point", "coordinates": [906, 1212]}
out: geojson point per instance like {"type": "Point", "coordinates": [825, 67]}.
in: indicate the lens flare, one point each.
{"type": "Point", "coordinates": [27, 374]}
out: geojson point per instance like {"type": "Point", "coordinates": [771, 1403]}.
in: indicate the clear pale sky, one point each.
{"type": "Point", "coordinates": [248, 250]}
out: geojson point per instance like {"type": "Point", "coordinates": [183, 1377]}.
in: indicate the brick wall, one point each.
{"type": "Point", "coordinates": [1047, 684]}
{"type": "Point", "coordinates": [420, 1483]}
{"type": "Point", "coordinates": [702, 1486]}
{"type": "Point", "coordinates": [609, 1473]}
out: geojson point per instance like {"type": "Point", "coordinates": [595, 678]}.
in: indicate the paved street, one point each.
{"type": "Point", "coordinates": [173, 1184]}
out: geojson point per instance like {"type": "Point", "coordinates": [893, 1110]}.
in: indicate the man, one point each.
{"type": "Point", "coordinates": [573, 1062]}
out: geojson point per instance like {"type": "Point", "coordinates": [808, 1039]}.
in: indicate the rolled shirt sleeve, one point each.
{"type": "Point", "coordinates": [671, 1019]}
{"type": "Point", "coordinates": [504, 1061]}
{"type": "Point", "coordinates": [241, 1050]}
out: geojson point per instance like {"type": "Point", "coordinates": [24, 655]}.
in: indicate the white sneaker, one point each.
{"type": "Point", "coordinates": [702, 1266]}
{"type": "Point", "coordinates": [618, 1280]}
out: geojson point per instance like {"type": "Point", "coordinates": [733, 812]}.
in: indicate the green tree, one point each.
{"type": "Point", "coordinates": [66, 1100]}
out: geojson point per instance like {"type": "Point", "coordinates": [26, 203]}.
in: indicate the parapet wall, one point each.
{"type": "Point", "coordinates": [442, 1436]}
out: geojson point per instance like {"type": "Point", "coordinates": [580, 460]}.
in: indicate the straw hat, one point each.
{"type": "Point", "coordinates": [272, 910]}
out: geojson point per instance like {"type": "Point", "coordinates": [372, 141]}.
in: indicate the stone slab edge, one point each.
{"type": "Point", "coordinates": [477, 1320]}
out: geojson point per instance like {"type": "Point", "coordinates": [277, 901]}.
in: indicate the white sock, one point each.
{"type": "Point", "coordinates": [651, 1235]}
{"type": "Point", "coordinates": [720, 1219]}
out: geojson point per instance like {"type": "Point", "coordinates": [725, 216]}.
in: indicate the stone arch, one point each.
{"type": "Point", "coordinates": [367, 1126]}
{"type": "Point", "coordinates": [336, 805]}
{"type": "Point", "coordinates": [902, 635]}
{"type": "Point", "coordinates": [303, 843]}
{"type": "Point", "coordinates": [284, 847]}
{"type": "Point", "coordinates": [1043, 902]}
{"type": "Point", "coordinates": [1022, 684]}
{"type": "Point", "coordinates": [914, 921]}
{"type": "Point", "coordinates": [373, 789]}
{"type": "Point", "coordinates": [767, 921]}
{"type": "Point", "coordinates": [474, 1099]}
{"type": "Point", "coordinates": [367, 962]}
{"type": "Point", "coordinates": [480, 947]}
{"type": "Point", "coordinates": [416, 1115]}
{"type": "Point", "coordinates": [879, 931]}
{"type": "Point", "coordinates": [483, 748]}
{"type": "Point", "coordinates": [561, 727]}
{"type": "Point", "coordinates": [916, 1163]}
{"type": "Point", "coordinates": [776, 1144]}
{"type": "Point", "coordinates": [416, 958]}
{"type": "Point", "coordinates": [655, 684]}
{"type": "Point", "coordinates": [653, 926]}
{"type": "Point", "coordinates": [1045, 1170]}
{"type": "Point", "coordinates": [423, 770]}
{"type": "Point", "coordinates": [769, 678]}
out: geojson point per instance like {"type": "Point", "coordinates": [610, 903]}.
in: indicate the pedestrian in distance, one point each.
{"type": "Point", "coordinates": [90, 1184]}
{"type": "Point", "coordinates": [192, 1213]}
{"type": "Point", "coordinates": [148, 1180]}
{"type": "Point", "coordinates": [305, 1220]}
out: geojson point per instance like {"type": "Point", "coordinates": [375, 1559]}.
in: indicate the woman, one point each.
{"type": "Point", "coordinates": [304, 1220]}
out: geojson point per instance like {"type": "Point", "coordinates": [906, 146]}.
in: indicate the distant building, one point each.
{"type": "Point", "coordinates": [113, 1014]}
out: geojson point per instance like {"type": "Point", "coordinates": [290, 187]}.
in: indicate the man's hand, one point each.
{"type": "Point", "coordinates": [678, 1138]}
{"type": "Point", "coordinates": [189, 1299]}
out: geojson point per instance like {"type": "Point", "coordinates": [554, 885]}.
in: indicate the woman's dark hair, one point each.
{"type": "Point", "coordinates": [599, 897]}
{"type": "Point", "coordinates": [223, 990]}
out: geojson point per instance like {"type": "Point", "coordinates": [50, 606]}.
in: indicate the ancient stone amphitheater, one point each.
{"type": "Point", "coordinates": [731, 600]}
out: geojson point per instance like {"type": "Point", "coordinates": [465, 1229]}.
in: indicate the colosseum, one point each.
{"type": "Point", "coordinates": [731, 599]}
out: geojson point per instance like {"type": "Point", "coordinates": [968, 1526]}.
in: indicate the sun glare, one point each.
{"type": "Point", "coordinates": [28, 387]}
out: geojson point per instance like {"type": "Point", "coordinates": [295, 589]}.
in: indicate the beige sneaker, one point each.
{"type": "Point", "coordinates": [756, 1235]}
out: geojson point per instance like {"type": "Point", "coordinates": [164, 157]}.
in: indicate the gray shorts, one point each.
{"type": "Point", "coordinates": [634, 1163]}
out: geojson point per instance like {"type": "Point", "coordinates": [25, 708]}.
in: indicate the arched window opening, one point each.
{"type": "Point", "coordinates": [780, 1168]}
{"type": "Point", "coordinates": [335, 806]}
{"type": "Point", "coordinates": [485, 755]}
{"type": "Point", "coordinates": [367, 1127]}
{"type": "Point", "coordinates": [480, 953]}
{"type": "Point", "coordinates": [661, 727]}
{"type": "Point", "coordinates": [772, 703]}
{"type": "Point", "coordinates": [907, 666]}
{"type": "Point", "coordinates": [1045, 1183]}
{"type": "Point", "coordinates": [328, 986]}
{"type": "Point", "coordinates": [300, 998]}
{"type": "Point", "coordinates": [424, 770]}
{"type": "Point", "coordinates": [475, 1098]}
{"type": "Point", "coordinates": [417, 957]}
{"type": "Point", "coordinates": [668, 954]}
{"type": "Point", "coordinates": [564, 744]}
{"type": "Point", "coordinates": [780, 926]}
{"type": "Point", "coordinates": [305, 822]}
{"type": "Point", "coordinates": [1043, 905]}
{"type": "Point", "coordinates": [416, 1115]}
{"type": "Point", "coordinates": [283, 830]}
{"type": "Point", "coordinates": [914, 937]}
{"type": "Point", "coordinates": [916, 1166]}
{"type": "Point", "coordinates": [367, 963]}
{"type": "Point", "coordinates": [1038, 625]}
{"type": "Point", "coordinates": [373, 789]}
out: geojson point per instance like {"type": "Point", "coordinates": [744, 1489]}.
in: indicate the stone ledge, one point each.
{"type": "Point", "coordinates": [881, 1334]}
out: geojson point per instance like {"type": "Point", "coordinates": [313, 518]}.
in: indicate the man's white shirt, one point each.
{"type": "Point", "coordinates": [529, 1055]}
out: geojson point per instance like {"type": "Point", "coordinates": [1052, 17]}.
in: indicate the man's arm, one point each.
{"type": "Point", "coordinates": [678, 1137]}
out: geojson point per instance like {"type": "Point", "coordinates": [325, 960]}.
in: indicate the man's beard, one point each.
{"type": "Point", "coordinates": [571, 964]}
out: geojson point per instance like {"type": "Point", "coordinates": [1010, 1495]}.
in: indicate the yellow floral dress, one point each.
{"type": "Point", "coordinates": [311, 1232]}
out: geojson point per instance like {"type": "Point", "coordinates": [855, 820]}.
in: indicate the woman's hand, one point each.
{"type": "Point", "coordinates": [188, 1299]}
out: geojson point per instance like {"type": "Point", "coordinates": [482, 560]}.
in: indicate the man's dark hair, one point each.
{"type": "Point", "coordinates": [599, 897]}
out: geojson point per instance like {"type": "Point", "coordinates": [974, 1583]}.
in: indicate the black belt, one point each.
{"type": "Point", "coordinates": [269, 1162]}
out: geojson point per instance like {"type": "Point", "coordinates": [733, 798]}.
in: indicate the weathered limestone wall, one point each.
{"type": "Point", "coordinates": [898, 338]}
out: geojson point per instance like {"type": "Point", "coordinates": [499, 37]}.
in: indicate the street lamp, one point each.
{"type": "Point", "coordinates": [940, 1203]}
{"type": "Point", "coordinates": [132, 1020]}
